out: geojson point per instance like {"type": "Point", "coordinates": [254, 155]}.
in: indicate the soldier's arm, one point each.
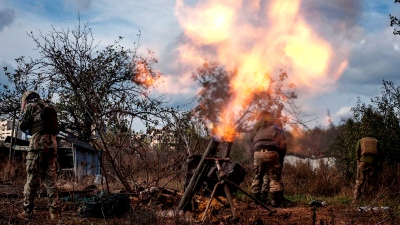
{"type": "Point", "coordinates": [253, 133]}
{"type": "Point", "coordinates": [282, 144]}
{"type": "Point", "coordinates": [358, 150]}
{"type": "Point", "coordinates": [26, 120]}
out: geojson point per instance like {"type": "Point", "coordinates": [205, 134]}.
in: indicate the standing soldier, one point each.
{"type": "Point", "coordinates": [366, 156]}
{"type": "Point", "coordinates": [41, 160]}
{"type": "Point", "coordinates": [269, 146]}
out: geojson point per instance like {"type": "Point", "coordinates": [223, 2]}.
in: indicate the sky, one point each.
{"type": "Point", "coordinates": [335, 52]}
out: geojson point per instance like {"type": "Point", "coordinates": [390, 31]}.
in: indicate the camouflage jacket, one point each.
{"type": "Point", "coordinates": [280, 138]}
{"type": "Point", "coordinates": [30, 121]}
{"type": "Point", "coordinates": [366, 157]}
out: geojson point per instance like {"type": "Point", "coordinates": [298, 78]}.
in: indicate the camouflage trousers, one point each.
{"type": "Point", "coordinates": [366, 178]}
{"type": "Point", "coordinates": [268, 171]}
{"type": "Point", "coordinates": [41, 166]}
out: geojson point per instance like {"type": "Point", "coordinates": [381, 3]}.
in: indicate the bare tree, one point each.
{"type": "Point", "coordinates": [215, 93]}
{"type": "Point", "coordinates": [96, 90]}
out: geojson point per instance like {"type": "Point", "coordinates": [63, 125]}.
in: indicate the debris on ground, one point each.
{"type": "Point", "coordinates": [369, 208]}
{"type": "Point", "coordinates": [104, 207]}
{"type": "Point", "coordinates": [317, 203]}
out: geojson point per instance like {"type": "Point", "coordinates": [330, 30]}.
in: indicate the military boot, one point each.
{"type": "Point", "coordinates": [278, 200]}
{"type": "Point", "coordinates": [264, 197]}
{"type": "Point", "coordinates": [275, 199]}
{"type": "Point", "coordinates": [259, 197]}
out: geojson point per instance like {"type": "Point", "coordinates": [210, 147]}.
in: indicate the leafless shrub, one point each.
{"type": "Point", "coordinates": [13, 172]}
{"type": "Point", "coordinates": [301, 179]}
{"type": "Point", "coordinates": [142, 164]}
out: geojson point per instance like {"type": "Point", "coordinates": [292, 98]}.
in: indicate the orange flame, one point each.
{"type": "Point", "coordinates": [143, 75]}
{"type": "Point", "coordinates": [257, 39]}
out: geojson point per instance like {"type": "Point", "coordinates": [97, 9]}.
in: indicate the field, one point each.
{"type": "Point", "coordinates": [159, 207]}
{"type": "Point", "coordinates": [247, 213]}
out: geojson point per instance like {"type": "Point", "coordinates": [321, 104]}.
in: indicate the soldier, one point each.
{"type": "Point", "coordinates": [366, 156]}
{"type": "Point", "coordinates": [41, 159]}
{"type": "Point", "coordinates": [269, 146]}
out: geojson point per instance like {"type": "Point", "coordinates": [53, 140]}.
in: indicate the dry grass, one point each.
{"type": "Point", "coordinates": [301, 179]}
{"type": "Point", "coordinates": [302, 184]}
{"type": "Point", "coordinates": [13, 172]}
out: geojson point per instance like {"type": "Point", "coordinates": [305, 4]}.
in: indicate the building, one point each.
{"type": "Point", "coordinates": [18, 150]}
{"type": "Point", "coordinates": [6, 129]}
{"type": "Point", "coordinates": [75, 157]}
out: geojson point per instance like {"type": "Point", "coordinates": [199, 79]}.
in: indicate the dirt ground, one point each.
{"type": "Point", "coordinates": [247, 212]}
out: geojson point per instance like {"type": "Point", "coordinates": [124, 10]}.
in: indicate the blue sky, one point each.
{"type": "Point", "coordinates": [365, 36]}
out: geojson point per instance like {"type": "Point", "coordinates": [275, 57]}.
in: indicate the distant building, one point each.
{"type": "Point", "coordinates": [159, 137]}
{"type": "Point", "coordinates": [6, 129]}
{"type": "Point", "coordinates": [313, 162]}
{"type": "Point", "coordinates": [156, 138]}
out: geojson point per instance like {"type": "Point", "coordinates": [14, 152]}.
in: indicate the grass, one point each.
{"type": "Point", "coordinates": [302, 184]}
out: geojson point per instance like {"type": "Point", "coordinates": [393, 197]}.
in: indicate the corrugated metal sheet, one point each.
{"type": "Point", "coordinates": [74, 154]}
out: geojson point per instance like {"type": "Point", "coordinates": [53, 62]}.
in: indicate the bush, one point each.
{"type": "Point", "coordinates": [301, 179]}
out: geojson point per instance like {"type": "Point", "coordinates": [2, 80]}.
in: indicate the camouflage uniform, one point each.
{"type": "Point", "coordinates": [41, 161]}
{"type": "Point", "coordinates": [268, 169]}
{"type": "Point", "coordinates": [366, 172]}
{"type": "Point", "coordinates": [268, 162]}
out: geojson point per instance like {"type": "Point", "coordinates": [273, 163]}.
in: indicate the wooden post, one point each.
{"type": "Point", "coordinates": [11, 138]}
{"type": "Point", "coordinates": [198, 174]}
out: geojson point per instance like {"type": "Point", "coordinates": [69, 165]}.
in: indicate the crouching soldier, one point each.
{"type": "Point", "coordinates": [269, 146]}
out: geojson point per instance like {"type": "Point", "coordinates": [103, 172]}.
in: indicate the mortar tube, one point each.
{"type": "Point", "coordinates": [194, 181]}
{"type": "Point", "coordinates": [228, 149]}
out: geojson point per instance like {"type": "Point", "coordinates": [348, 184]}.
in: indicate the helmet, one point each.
{"type": "Point", "coordinates": [29, 95]}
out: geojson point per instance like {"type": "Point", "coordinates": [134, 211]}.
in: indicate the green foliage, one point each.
{"type": "Point", "coordinates": [381, 119]}
{"type": "Point", "coordinates": [343, 149]}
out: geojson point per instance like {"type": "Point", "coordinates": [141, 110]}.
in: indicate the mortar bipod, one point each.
{"type": "Point", "coordinates": [222, 180]}
{"type": "Point", "coordinates": [221, 177]}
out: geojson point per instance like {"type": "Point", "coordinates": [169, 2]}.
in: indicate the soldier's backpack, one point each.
{"type": "Point", "coordinates": [49, 118]}
{"type": "Point", "coordinates": [267, 136]}
{"type": "Point", "coordinates": [369, 146]}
